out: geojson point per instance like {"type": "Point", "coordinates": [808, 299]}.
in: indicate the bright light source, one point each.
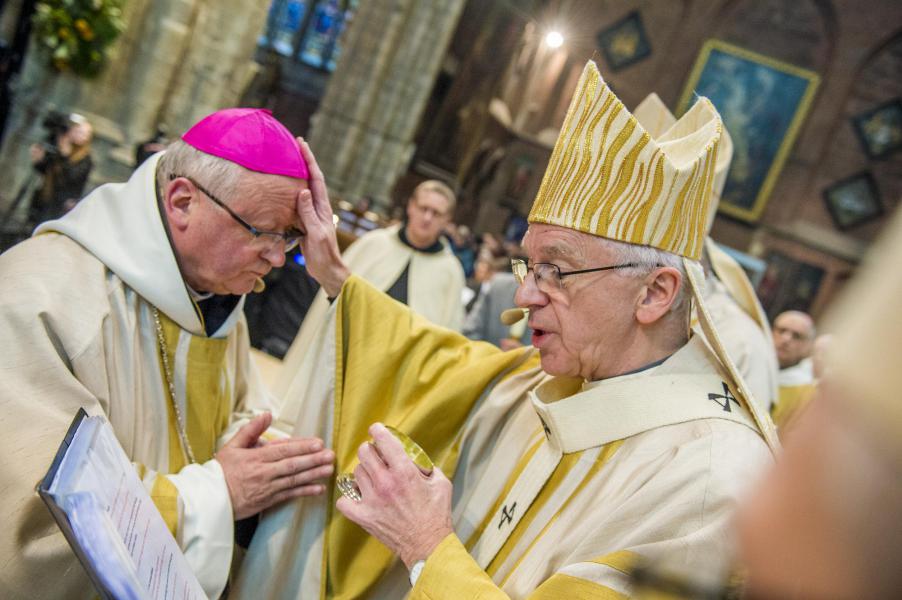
{"type": "Point", "coordinates": [554, 39]}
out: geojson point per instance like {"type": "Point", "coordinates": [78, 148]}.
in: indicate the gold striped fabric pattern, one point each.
{"type": "Point", "coordinates": [608, 177]}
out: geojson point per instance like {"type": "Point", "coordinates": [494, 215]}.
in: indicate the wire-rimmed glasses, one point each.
{"type": "Point", "coordinates": [290, 238]}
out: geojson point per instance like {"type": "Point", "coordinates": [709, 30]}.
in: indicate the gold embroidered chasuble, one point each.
{"type": "Point", "coordinates": [553, 484]}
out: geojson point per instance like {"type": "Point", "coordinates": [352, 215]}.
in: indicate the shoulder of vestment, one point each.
{"type": "Point", "coordinates": [53, 278]}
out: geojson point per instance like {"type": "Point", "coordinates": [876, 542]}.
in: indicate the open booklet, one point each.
{"type": "Point", "coordinates": [108, 518]}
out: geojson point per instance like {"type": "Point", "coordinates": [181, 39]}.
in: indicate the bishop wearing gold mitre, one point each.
{"type": "Point", "coordinates": [619, 436]}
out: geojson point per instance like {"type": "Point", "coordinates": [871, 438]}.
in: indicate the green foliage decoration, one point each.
{"type": "Point", "coordinates": [75, 34]}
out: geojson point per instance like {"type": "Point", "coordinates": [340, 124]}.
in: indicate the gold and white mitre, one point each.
{"type": "Point", "coordinates": [609, 176]}
{"type": "Point", "coordinates": [656, 118]}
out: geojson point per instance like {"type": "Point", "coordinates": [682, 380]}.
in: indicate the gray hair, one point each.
{"type": "Point", "coordinates": [217, 175]}
{"type": "Point", "coordinates": [648, 259]}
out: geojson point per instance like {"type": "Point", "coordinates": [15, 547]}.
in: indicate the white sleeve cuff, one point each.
{"type": "Point", "coordinates": [207, 527]}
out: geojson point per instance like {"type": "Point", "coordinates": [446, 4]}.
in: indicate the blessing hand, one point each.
{"type": "Point", "coordinates": [405, 509]}
{"type": "Point", "coordinates": [319, 243]}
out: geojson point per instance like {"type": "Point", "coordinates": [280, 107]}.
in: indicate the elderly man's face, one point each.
{"type": "Point", "coordinates": [578, 327]}
{"type": "Point", "coordinates": [793, 337]}
{"type": "Point", "coordinates": [216, 253]}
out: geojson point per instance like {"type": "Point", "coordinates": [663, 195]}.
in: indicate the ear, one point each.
{"type": "Point", "coordinates": [657, 295]}
{"type": "Point", "coordinates": [178, 202]}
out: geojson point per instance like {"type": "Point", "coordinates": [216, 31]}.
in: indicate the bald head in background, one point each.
{"type": "Point", "coordinates": [794, 335]}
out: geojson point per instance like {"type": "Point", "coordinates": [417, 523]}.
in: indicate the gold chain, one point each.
{"type": "Point", "coordinates": [167, 372]}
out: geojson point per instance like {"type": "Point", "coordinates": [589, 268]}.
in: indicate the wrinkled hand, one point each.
{"type": "Point", "coordinates": [260, 475]}
{"type": "Point", "coordinates": [403, 508]}
{"type": "Point", "coordinates": [319, 245]}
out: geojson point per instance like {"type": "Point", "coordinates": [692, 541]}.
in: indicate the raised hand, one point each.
{"type": "Point", "coordinates": [319, 245]}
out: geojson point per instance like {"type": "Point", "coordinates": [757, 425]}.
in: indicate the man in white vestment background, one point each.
{"type": "Point", "coordinates": [131, 306]}
{"type": "Point", "coordinates": [410, 262]}
{"type": "Point", "coordinates": [620, 437]}
{"type": "Point", "coordinates": [794, 335]}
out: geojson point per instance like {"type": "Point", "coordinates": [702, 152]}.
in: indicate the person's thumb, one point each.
{"type": "Point", "coordinates": [248, 435]}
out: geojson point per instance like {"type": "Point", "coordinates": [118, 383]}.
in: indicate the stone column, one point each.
{"type": "Point", "coordinates": [218, 63]}
{"type": "Point", "coordinates": [176, 61]}
{"type": "Point", "coordinates": [362, 133]}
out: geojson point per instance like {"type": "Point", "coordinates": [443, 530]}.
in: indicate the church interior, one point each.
{"type": "Point", "coordinates": [467, 103]}
{"type": "Point", "coordinates": [473, 93]}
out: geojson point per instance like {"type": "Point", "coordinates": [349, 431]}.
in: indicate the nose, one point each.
{"type": "Point", "coordinates": [275, 254]}
{"type": "Point", "coordinates": [528, 293]}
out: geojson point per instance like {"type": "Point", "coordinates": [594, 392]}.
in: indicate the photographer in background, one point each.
{"type": "Point", "coordinates": [65, 164]}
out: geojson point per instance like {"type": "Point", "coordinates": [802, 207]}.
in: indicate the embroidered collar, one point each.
{"type": "Point", "coordinates": [686, 386]}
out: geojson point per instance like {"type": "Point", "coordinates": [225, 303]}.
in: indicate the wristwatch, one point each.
{"type": "Point", "coordinates": [415, 571]}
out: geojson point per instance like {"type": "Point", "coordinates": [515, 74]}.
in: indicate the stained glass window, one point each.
{"type": "Point", "coordinates": [308, 30]}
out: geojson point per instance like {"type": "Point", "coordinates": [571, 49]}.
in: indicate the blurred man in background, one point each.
{"type": "Point", "coordinates": [794, 335]}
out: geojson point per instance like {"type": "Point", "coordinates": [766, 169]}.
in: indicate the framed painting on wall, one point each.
{"type": "Point", "coordinates": [763, 103]}
{"type": "Point", "coordinates": [788, 284]}
{"type": "Point", "coordinates": [624, 42]}
{"type": "Point", "coordinates": [880, 129]}
{"type": "Point", "coordinates": [853, 201]}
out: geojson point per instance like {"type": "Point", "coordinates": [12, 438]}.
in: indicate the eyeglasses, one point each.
{"type": "Point", "coordinates": [428, 210]}
{"type": "Point", "coordinates": [548, 276]}
{"type": "Point", "coordinates": [291, 238]}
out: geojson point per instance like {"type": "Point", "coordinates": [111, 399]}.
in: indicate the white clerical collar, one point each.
{"type": "Point", "coordinates": [198, 296]}
{"type": "Point", "coordinates": [587, 385]}
{"type": "Point", "coordinates": [685, 387]}
{"type": "Point", "coordinates": [801, 373]}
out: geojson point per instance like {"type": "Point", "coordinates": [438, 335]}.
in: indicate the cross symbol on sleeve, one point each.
{"type": "Point", "coordinates": [727, 397]}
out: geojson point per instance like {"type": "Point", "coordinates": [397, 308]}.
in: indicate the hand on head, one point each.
{"type": "Point", "coordinates": [405, 509]}
{"type": "Point", "coordinates": [319, 243]}
{"type": "Point", "coordinates": [260, 475]}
